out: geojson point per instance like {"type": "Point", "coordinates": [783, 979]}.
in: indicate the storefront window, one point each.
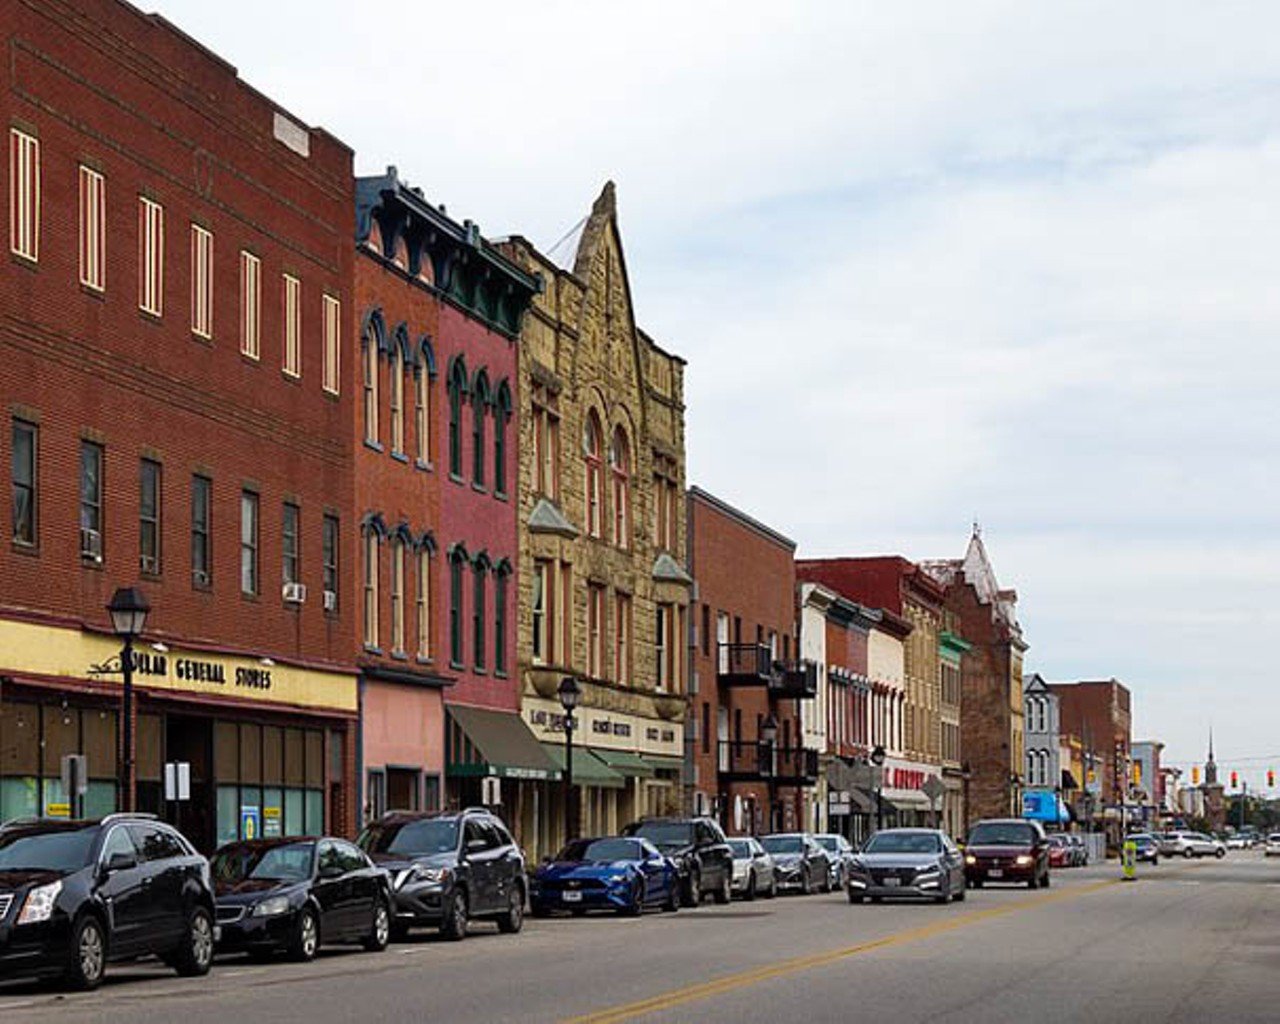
{"type": "Point", "coordinates": [271, 780]}
{"type": "Point", "coordinates": [228, 814]}
{"type": "Point", "coordinates": [295, 823]}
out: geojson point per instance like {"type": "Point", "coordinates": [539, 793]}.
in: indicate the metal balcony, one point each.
{"type": "Point", "coordinates": [795, 766]}
{"type": "Point", "coordinates": [797, 680]}
{"type": "Point", "coordinates": [744, 665]}
{"type": "Point", "coordinates": [757, 761]}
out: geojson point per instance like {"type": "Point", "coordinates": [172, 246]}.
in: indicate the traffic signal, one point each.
{"type": "Point", "coordinates": [1137, 773]}
{"type": "Point", "coordinates": [1235, 779]}
{"type": "Point", "coordinates": [1271, 778]}
{"type": "Point", "coordinates": [1195, 775]}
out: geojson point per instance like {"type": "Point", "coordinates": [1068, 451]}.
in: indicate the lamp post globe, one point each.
{"type": "Point", "coordinates": [128, 609]}
{"type": "Point", "coordinates": [569, 693]}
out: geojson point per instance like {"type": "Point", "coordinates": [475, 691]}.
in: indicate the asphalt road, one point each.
{"type": "Point", "coordinates": [1189, 941]}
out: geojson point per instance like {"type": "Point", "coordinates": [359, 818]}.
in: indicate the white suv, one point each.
{"type": "Point", "coordinates": [1273, 845]}
{"type": "Point", "coordinates": [1191, 844]}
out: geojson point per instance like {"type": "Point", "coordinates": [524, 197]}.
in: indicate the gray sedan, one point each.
{"type": "Point", "coordinates": [914, 862]}
{"type": "Point", "coordinates": [752, 869]}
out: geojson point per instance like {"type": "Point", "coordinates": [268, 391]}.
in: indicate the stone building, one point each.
{"type": "Point", "coordinates": [604, 592]}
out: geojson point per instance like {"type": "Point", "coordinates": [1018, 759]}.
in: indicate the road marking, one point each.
{"type": "Point", "coordinates": [743, 979]}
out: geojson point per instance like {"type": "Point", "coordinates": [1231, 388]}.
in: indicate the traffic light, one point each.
{"type": "Point", "coordinates": [1271, 778]}
{"type": "Point", "coordinates": [1235, 779]}
{"type": "Point", "coordinates": [1195, 775]}
{"type": "Point", "coordinates": [1137, 773]}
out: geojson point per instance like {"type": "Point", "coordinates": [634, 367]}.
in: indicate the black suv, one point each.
{"type": "Point", "coordinates": [448, 869]}
{"type": "Point", "coordinates": [699, 850]}
{"type": "Point", "coordinates": [77, 894]}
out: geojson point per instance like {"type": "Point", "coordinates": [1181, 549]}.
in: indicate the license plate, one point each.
{"type": "Point", "coordinates": [572, 897]}
{"type": "Point", "coordinates": [996, 873]}
{"type": "Point", "coordinates": [890, 883]}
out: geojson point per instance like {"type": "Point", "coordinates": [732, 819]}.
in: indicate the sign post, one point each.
{"type": "Point", "coordinates": [75, 783]}
{"type": "Point", "coordinates": [934, 788]}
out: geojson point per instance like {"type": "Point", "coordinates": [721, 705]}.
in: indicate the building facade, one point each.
{"type": "Point", "coordinates": [1099, 712]}
{"type": "Point", "coordinates": [604, 593]}
{"type": "Point", "coordinates": [175, 368]}
{"type": "Point", "coordinates": [1147, 780]}
{"type": "Point", "coordinates": [956, 771]}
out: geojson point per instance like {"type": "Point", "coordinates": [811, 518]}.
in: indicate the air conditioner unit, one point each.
{"type": "Point", "coordinates": [200, 577]}
{"type": "Point", "coordinates": [150, 564]}
{"type": "Point", "coordinates": [91, 544]}
{"type": "Point", "coordinates": [295, 593]}
{"type": "Point", "coordinates": [331, 600]}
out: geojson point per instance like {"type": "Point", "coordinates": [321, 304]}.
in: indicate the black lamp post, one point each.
{"type": "Point", "coordinates": [966, 772]}
{"type": "Point", "coordinates": [877, 759]}
{"type": "Point", "coordinates": [570, 693]}
{"type": "Point", "coordinates": [128, 608]}
{"type": "Point", "coordinates": [769, 737]}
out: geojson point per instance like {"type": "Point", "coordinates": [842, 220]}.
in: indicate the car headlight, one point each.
{"type": "Point", "coordinates": [970, 859]}
{"type": "Point", "coordinates": [39, 903]}
{"type": "Point", "coordinates": [617, 879]}
{"type": "Point", "coordinates": [273, 907]}
{"type": "Point", "coordinates": [1023, 860]}
{"type": "Point", "coordinates": [418, 873]}
{"type": "Point", "coordinates": [925, 873]}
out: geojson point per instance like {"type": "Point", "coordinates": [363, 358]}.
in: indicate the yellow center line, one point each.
{"type": "Point", "coordinates": [743, 979]}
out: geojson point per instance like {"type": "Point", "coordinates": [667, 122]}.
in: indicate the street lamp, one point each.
{"type": "Point", "coordinates": [570, 693]}
{"type": "Point", "coordinates": [769, 734]}
{"type": "Point", "coordinates": [877, 759]}
{"type": "Point", "coordinates": [128, 608]}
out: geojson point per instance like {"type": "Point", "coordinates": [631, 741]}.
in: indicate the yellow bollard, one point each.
{"type": "Point", "coordinates": [1129, 860]}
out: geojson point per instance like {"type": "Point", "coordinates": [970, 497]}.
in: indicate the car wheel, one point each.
{"type": "Point", "coordinates": [750, 893]}
{"type": "Point", "coordinates": [194, 957]}
{"type": "Point", "coordinates": [772, 891]}
{"type": "Point", "coordinates": [806, 886]}
{"type": "Point", "coordinates": [960, 894]}
{"type": "Point", "coordinates": [855, 897]}
{"type": "Point", "coordinates": [725, 893]}
{"type": "Point", "coordinates": [1219, 853]}
{"type": "Point", "coordinates": [453, 925]}
{"type": "Point", "coordinates": [635, 901]}
{"type": "Point", "coordinates": [1033, 882]}
{"type": "Point", "coordinates": [826, 881]}
{"type": "Point", "coordinates": [513, 920]}
{"type": "Point", "coordinates": [88, 959]}
{"type": "Point", "coordinates": [692, 894]}
{"type": "Point", "coordinates": [943, 897]}
{"type": "Point", "coordinates": [379, 936]}
{"type": "Point", "coordinates": [306, 937]}
{"type": "Point", "coordinates": [1188, 853]}
{"type": "Point", "coordinates": [672, 903]}
{"type": "Point", "coordinates": [1044, 879]}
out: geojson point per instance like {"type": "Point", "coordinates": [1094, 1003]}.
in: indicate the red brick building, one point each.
{"type": "Point", "coordinates": [748, 682]}
{"type": "Point", "coordinates": [435, 477]}
{"type": "Point", "coordinates": [174, 304]}
{"type": "Point", "coordinates": [1100, 712]}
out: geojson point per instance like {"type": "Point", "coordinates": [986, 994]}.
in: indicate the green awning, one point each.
{"type": "Point", "coordinates": [624, 762]}
{"type": "Point", "coordinates": [663, 763]}
{"type": "Point", "coordinates": [588, 770]}
{"type": "Point", "coordinates": [481, 741]}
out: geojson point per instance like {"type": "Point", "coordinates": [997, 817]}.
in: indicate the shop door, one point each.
{"type": "Point", "coordinates": [191, 740]}
{"type": "Point", "coordinates": [403, 789]}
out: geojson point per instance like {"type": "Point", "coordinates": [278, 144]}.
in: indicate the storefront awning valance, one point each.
{"type": "Point", "coordinates": [907, 800]}
{"type": "Point", "coordinates": [588, 770]}
{"type": "Point", "coordinates": [663, 763]}
{"type": "Point", "coordinates": [482, 741]}
{"type": "Point", "coordinates": [624, 762]}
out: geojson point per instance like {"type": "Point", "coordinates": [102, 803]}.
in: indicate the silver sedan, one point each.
{"type": "Point", "coordinates": [914, 862]}
{"type": "Point", "coordinates": [753, 873]}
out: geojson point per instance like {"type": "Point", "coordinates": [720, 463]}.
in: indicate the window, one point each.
{"type": "Point", "coordinates": [248, 542]}
{"type": "Point", "coordinates": [423, 589]}
{"type": "Point", "coordinates": [93, 229]}
{"type": "Point", "coordinates": [25, 448]}
{"type": "Point", "coordinates": [659, 511]}
{"type": "Point", "coordinates": [289, 545]}
{"type": "Point", "coordinates": [620, 467]}
{"type": "Point", "coordinates": [149, 517]}
{"type": "Point", "coordinates": [201, 513]}
{"type": "Point", "coordinates": [595, 631]}
{"type": "Point", "coordinates": [372, 552]}
{"type": "Point", "coordinates": [500, 620]}
{"type": "Point", "coordinates": [480, 570]}
{"type": "Point", "coordinates": [541, 599]}
{"type": "Point", "coordinates": [622, 639]}
{"type": "Point", "coordinates": [329, 558]}
{"type": "Point", "coordinates": [370, 384]}
{"type": "Point", "coordinates": [332, 341]}
{"type": "Point", "coordinates": [91, 541]}
{"type": "Point", "coordinates": [546, 443]}
{"type": "Point", "coordinates": [250, 305]}
{"type": "Point", "coordinates": [457, 390]}
{"type": "Point", "coordinates": [662, 645]}
{"type": "Point", "coordinates": [591, 458]}
{"type": "Point", "coordinates": [201, 282]}
{"type": "Point", "coordinates": [422, 414]}
{"type": "Point", "coordinates": [501, 416]}
{"type": "Point", "coordinates": [397, 401]}
{"type": "Point", "coordinates": [397, 596]}
{"type": "Point", "coordinates": [706, 629]}
{"type": "Point", "coordinates": [292, 297]}
{"type": "Point", "coordinates": [455, 607]}
{"type": "Point", "coordinates": [150, 256]}
{"type": "Point", "coordinates": [24, 194]}
{"type": "Point", "coordinates": [479, 405]}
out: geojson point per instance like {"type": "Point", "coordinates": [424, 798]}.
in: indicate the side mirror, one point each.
{"type": "Point", "coordinates": [121, 861]}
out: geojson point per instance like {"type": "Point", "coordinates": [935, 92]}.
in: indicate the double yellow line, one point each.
{"type": "Point", "coordinates": [743, 979]}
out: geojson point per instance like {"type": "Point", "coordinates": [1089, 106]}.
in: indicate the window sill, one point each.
{"type": "Point", "coordinates": [252, 598]}
{"type": "Point", "coordinates": [480, 488]}
{"type": "Point", "coordinates": [149, 317]}
{"type": "Point", "coordinates": [374, 446]}
{"type": "Point", "coordinates": [425, 466]}
{"type": "Point", "coordinates": [480, 670]}
{"type": "Point", "coordinates": [20, 259]}
{"type": "Point", "coordinates": [400, 457]}
{"type": "Point", "coordinates": [499, 675]}
{"type": "Point", "coordinates": [399, 656]}
{"type": "Point", "coordinates": [89, 291]}
{"type": "Point", "coordinates": [373, 649]}
{"type": "Point", "coordinates": [456, 478]}
{"type": "Point", "coordinates": [21, 547]}
{"type": "Point", "coordinates": [151, 577]}
{"type": "Point", "coordinates": [248, 360]}
{"type": "Point", "coordinates": [457, 666]}
{"type": "Point", "coordinates": [425, 660]}
{"type": "Point", "coordinates": [291, 378]}
{"type": "Point", "coordinates": [89, 562]}
{"type": "Point", "coordinates": [500, 495]}
{"type": "Point", "coordinates": [202, 588]}
{"type": "Point", "coordinates": [202, 339]}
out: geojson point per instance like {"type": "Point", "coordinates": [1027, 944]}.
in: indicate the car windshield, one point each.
{"type": "Point", "coordinates": [666, 833]}
{"type": "Point", "coordinates": [601, 851]}
{"type": "Point", "coordinates": [412, 838]}
{"type": "Point", "coordinates": [64, 850]}
{"type": "Point", "coordinates": [902, 842]}
{"type": "Point", "coordinates": [1001, 833]}
{"type": "Point", "coordinates": [829, 843]}
{"type": "Point", "coordinates": [740, 847]}
{"type": "Point", "coordinates": [1274, 837]}
{"type": "Point", "coordinates": [288, 863]}
{"type": "Point", "coordinates": [783, 844]}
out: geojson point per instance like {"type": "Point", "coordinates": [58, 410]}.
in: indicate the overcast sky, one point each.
{"type": "Point", "coordinates": [928, 262]}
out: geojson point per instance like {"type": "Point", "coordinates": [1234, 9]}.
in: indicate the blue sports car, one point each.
{"type": "Point", "coordinates": [620, 874]}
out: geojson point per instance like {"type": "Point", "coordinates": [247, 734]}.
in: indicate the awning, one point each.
{"type": "Point", "coordinates": [664, 763]}
{"type": "Point", "coordinates": [481, 741]}
{"type": "Point", "coordinates": [588, 770]}
{"type": "Point", "coordinates": [624, 762]}
{"type": "Point", "coordinates": [907, 800]}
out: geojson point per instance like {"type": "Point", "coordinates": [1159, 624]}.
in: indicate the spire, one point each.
{"type": "Point", "coordinates": [1211, 744]}
{"type": "Point", "coordinates": [1210, 766]}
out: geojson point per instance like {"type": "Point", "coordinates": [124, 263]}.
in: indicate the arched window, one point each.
{"type": "Point", "coordinates": [372, 553]}
{"type": "Point", "coordinates": [480, 399]}
{"type": "Point", "coordinates": [425, 373]}
{"type": "Point", "coordinates": [369, 370]}
{"type": "Point", "coordinates": [480, 580]}
{"type": "Point", "coordinates": [501, 417]}
{"type": "Point", "coordinates": [620, 470]}
{"type": "Point", "coordinates": [422, 587]}
{"type": "Point", "coordinates": [397, 596]}
{"type": "Point", "coordinates": [457, 393]}
{"type": "Point", "coordinates": [397, 399]}
{"type": "Point", "coordinates": [501, 575]}
{"type": "Point", "coordinates": [591, 445]}
{"type": "Point", "coordinates": [457, 558]}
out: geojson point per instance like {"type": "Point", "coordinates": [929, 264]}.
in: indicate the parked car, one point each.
{"type": "Point", "coordinates": [1081, 850]}
{"type": "Point", "coordinates": [1145, 847]}
{"type": "Point", "coordinates": [699, 850]}
{"type": "Point", "coordinates": [840, 852]}
{"type": "Point", "coordinates": [1007, 850]}
{"type": "Point", "coordinates": [753, 872]}
{"type": "Point", "coordinates": [915, 862]}
{"type": "Point", "coordinates": [1075, 852]}
{"type": "Point", "coordinates": [622, 874]}
{"type": "Point", "coordinates": [1272, 846]}
{"type": "Point", "coordinates": [292, 895]}
{"type": "Point", "coordinates": [1238, 841]}
{"type": "Point", "coordinates": [1191, 844]}
{"type": "Point", "coordinates": [449, 869]}
{"type": "Point", "coordinates": [1060, 855]}
{"type": "Point", "coordinates": [75, 895]}
{"type": "Point", "coordinates": [799, 862]}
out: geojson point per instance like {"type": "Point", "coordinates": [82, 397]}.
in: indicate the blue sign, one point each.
{"type": "Point", "coordinates": [1042, 805]}
{"type": "Point", "coordinates": [250, 823]}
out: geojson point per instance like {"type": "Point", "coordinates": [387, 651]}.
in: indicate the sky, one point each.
{"type": "Point", "coordinates": [930, 264]}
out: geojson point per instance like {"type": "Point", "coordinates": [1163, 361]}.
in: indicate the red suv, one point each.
{"type": "Point", "coordinates": [1007, 850]}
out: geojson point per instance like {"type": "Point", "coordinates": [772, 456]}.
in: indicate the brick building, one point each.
{"type": "Point", "coordinates": [1099, 712]}
{"type": "Point", "coordinates": [436, 463]}
{"type": "Point", "coordinates": [174, 304]}
{"type": "Point", "coordinates": [604, 595]}
{"type": "Point", "coordinates": [750, 683]}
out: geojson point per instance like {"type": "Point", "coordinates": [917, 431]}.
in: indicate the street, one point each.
{"type": "Point", "coordinates": [1188, 941]}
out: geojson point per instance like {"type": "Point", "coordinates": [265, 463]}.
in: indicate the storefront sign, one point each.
{"type": "Point", "coordinates": [605, 729]}
{"type": "Point", "coordinates": [270, 822]}
{"type": "Point", "coordinates": [57, 810]}
{"type": "Point", "coordinates": [250, 823]}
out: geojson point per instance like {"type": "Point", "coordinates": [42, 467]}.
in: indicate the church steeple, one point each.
{"type": "Point", "coordinates": [1210, 766]}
